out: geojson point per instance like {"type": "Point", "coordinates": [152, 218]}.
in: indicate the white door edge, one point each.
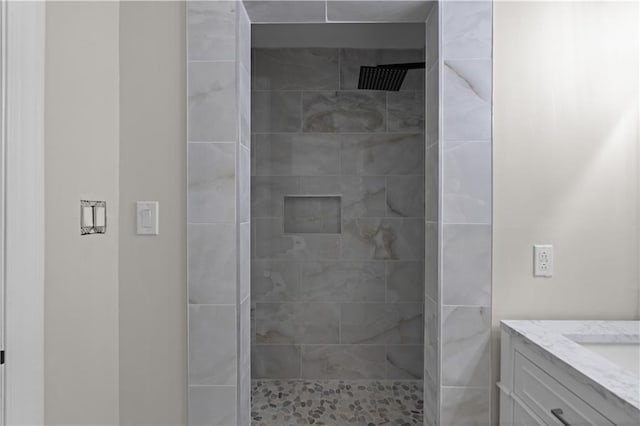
{"type": "Point", "coordinates": [24, 213]}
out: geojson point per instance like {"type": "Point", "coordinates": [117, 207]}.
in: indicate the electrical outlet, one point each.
{"type": "Point", "coordinates": [542, 260]}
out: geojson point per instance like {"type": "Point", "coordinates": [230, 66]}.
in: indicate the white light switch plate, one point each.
{"type": "Point", "coordinates": [542, 260]}
{"type": "Point", "coordinates": [147, 213]}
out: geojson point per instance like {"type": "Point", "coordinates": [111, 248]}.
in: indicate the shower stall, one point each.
{"type": "Point", "coordinates": [339, 238]}
{"type": "Point", "coordinates": [337, 210]}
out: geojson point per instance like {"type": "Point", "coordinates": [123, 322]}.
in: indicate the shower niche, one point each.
{"type": "Point", "coordinates": [338, 226]}
{"type": "Point", "coordinates": [315, 214]}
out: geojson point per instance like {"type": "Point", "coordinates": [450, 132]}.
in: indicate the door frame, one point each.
{"type": "Point", "coordinates": [23, 62]}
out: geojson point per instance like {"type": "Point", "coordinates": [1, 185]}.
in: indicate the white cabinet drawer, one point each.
{"type": "Point", "coordinates": [546, 396]}
{"type": "Point", "coordinates": [521, 417]}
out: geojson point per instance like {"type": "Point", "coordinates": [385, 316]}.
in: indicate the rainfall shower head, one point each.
{"type": "Point", "coordinates": [385, 77]}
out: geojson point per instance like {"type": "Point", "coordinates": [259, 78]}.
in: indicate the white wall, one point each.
{"type": "Point", "coordinates": [566, 159]}
{"type": "Point", "coordinates": [153, 328]}
{"type": "Point", "coordinates": [115, 131]}
{"type": "Point", "coordinates": [81, 162]}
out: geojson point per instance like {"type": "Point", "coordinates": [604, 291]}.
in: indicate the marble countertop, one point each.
{"type": "Point", "coordinates": [558, 339]}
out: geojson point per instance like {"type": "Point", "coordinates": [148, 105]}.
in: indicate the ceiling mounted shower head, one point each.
{"type": "Point", "coordinates": [385, 77]}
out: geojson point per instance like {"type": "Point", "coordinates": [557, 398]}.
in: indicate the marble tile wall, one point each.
{"type": "Point", "coordinates": [465, 63]}
{"type": "Point", "coordinates": [320, 11]}
{"type": "Point", "coordinates": [432, 295]}
{"type": "Point", "coordinates": [219, 228]}
{"type": "Point", "coordinates": [363, 157]}
{"type": "Point", "coordinates": [346, 305]}
{"type": "Point", "coordinates": [243, 216]}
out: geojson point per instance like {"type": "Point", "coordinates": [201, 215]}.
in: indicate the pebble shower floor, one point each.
{"type": "Point", "coordinates": [336, 402]}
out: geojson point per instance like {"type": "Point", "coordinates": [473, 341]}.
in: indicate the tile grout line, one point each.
{"type": "Point", "coordinates": [339, 68]}
{"type": "Point", "coordinates": [340, 323]}
{"type": "Point", "coordinates": [301, 127]}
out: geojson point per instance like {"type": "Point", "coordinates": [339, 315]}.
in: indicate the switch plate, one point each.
{"type": "Point", "coordinates": [542, 260]}
{"type": "Point", "coordinates": [147, 217]}
{"type": "Point", "coordinates": [93, 217]}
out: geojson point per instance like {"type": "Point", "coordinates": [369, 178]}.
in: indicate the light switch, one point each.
{"type": "Point", "coordinates": [86, 217]}
{"type": "Point", "coordinates": [147, 217]}
{"type": "Point", "coordinates": [93, 217]}
{"type": "Point", "coordinates": [99, 216]}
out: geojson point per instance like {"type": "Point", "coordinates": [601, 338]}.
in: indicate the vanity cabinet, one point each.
{"type": "Point", "coordinates": [535, 390]}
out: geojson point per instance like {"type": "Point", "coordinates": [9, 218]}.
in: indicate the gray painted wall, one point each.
{"type": "Point", "coordinates": [590, 192]}
{"type": "Point", "coordinates": [81, 272]}
{"type": "Point", "coordinates": [153, 269]}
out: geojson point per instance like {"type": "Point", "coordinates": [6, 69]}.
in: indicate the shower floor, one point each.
{"type": "Point", "coordinates": [336, 402]}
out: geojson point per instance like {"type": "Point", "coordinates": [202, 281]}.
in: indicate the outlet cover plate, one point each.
{"type": "Point", "coordinates": [542, 260]}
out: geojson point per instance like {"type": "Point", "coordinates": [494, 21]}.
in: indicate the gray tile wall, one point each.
{"type": "Point", "coordinates": [243, 216]}
{"type": "Point", "coordinates": [219, 229]}
{"type": "Point", "coordinates": [457, 174]}
{"type": "Point", "coordinates": [465, 62]}
{"type": "Point", "coordinates": [347, 305]}
{"type": "Point", "coordinates": [432, 226]}
{"type": "Point", "coordinates": [321, 11]}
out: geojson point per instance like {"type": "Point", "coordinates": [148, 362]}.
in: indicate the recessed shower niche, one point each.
{"type": "Point", "coordinates": [338, 218]}
{"type": "Point", "coordinates": [315, 214]}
